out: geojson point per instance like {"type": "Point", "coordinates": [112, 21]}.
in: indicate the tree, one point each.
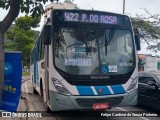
{"type": "Point", "coordinates": [21, 37]}
{"type": "Point", "coordinates": [148, 29]}
{"type": "Point", "coordinates": [15, 6]}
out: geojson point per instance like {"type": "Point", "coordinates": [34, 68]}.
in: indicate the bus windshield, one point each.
{"type": "Point", "coordinates": [93, 51]}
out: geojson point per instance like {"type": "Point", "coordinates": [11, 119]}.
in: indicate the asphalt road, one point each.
{"type": "Point", "coordinates": [31, 102]}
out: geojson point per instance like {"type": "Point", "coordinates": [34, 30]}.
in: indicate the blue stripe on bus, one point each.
{"type": "Point", "coordinates": [105, 90]}
{"type": "Point", "coordinates": [85, 90]}
{"type": "Point", "coordinates": [35, 65]}
{"type": "Point", "coordinates": [118, 89]}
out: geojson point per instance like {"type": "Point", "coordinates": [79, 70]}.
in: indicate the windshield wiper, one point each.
{"type": "Point", "coordinates": [109, 39]}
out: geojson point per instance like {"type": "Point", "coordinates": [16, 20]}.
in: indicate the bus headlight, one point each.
{"type": "Point", "coordinates": [60, 88]}
{"type": "Point", "coordinates": [132, 85]}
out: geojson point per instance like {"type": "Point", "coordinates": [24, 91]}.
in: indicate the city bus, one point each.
{"type": "Point", "coordinates": [85, 60]}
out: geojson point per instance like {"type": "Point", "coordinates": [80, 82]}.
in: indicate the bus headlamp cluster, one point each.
{"type": "Point", "coordinates": [60, 88]}
{"type": "Point", "coordinates": [132, 85]}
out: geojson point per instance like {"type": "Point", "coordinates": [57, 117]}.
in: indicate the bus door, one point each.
{"type": "Point", "coordinates": [46, 80]}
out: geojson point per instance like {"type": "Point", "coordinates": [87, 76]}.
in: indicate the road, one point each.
{"type": "Point", "coordinates": [33, 102]}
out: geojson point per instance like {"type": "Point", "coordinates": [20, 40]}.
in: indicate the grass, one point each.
{"type": "Point", "coordinates": [25, 73]}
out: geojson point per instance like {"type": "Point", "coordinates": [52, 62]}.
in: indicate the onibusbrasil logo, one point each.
{"type": "Point", "coordinates": [8, 68]}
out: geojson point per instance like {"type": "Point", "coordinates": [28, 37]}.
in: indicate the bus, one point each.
{"type": "Point", "coordinates": [85, 60]}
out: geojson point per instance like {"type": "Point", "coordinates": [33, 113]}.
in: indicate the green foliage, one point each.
{"type": "Point", "coordinates": [21, 37]}
{"type": "Point", "coordinates": [25, 73]}
{"type": "Point", "coordinates": [28, 6]}
{"type": "Point", "coordinates": [26, 22]}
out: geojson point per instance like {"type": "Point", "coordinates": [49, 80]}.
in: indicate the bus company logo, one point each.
{"type": "Point", "coordinates": [100, 90]}
{"type": "Point", "coordinates": [8, 69]}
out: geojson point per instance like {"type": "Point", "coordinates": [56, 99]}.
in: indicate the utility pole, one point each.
{"type": "Point", "coordinates": [123, 6]}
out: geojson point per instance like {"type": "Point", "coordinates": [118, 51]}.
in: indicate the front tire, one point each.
{"type": "Point", "coordinates": [35, 91]}
{"type": "Point", "coordinates": [47, 109]}
{"type": "Point", "coordinates": [41, 88]}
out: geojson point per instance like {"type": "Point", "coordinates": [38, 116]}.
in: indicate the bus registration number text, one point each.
{"type": "Point", "coordinates": [100, 106]}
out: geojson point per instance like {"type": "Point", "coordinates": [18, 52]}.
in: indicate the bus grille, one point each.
{"type": "Point", "coordinates": [88, 102]}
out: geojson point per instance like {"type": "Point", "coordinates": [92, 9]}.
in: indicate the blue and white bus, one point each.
{"type": "Point", "coordinates": [86, 59]}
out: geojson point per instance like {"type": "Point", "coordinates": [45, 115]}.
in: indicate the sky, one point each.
{"type": "Point", "coordinates": [132, 7]}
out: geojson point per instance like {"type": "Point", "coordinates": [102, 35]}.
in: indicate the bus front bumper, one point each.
{"type": "Point", "coordinates": [60, 102]}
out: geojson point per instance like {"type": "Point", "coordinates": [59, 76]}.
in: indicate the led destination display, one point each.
{"type": "Point", "coordinates": [90, 18]}
{"type": "Point", "coordinates": [77, 17]}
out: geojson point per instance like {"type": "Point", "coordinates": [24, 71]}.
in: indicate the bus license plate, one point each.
{"type": "Point", "coordinates": [100, 106]}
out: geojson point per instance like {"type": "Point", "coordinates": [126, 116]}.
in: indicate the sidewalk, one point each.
{"type": "Point", "coordinates": [29, 102]}
{"type": "Point", "coordinates": [22, 107]}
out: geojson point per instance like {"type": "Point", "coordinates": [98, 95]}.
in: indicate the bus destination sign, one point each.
{"type": "Point", "coordinates": [90, 18]}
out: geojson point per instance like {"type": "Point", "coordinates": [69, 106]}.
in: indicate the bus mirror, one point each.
{"type": "Point", "coordinates": [137, 41]}
{"type": "Point", "coordinates": [46, 36]}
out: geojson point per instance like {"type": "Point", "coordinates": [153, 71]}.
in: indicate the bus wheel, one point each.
{"type": "Point", "coordinates": [35, 91]}
{"type": "Point", "coordinates": [47, 109]}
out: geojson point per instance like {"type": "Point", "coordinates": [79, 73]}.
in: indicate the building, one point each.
{"type": "Point", "coordinates": [148, 63]}
{"type": "Point", "coordinates": [68, 4]}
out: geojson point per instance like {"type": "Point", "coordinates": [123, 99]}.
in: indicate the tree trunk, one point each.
{"type": "Point", "coordinates": [4, 25]}
{"type": "Point", "coordinates": [1, 63]}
